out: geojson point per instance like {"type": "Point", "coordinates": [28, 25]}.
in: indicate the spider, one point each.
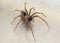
{"type": "Point", "coordinates": [27, 18]}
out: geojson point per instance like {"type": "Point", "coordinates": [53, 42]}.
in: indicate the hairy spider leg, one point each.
{"type": "Point", "coordinates": [17, 10]}
{"type": "Point", "coordinates": [30, 10]}
{"type": "Point", "coordinates": [42, 20]}
{"type": "Point", "coordinates": [38, 13]}
{"type": "Point", "coordinates": [15, 18]}
{"type": "Point", "coordinates": [17, 24]}
{"type": "Point", "coordinates": [32, 32]}
{"type": "Point", "coordinates": [25, 8]}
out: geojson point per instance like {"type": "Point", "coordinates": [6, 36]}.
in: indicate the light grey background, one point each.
{"type": "Point", "coordinates": [51, 8]}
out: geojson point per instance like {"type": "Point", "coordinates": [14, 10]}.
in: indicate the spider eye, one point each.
{"type": "Point", "coordinates": [23, 12]}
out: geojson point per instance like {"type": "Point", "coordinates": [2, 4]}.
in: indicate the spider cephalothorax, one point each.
{"type": "Point", "coordinates": [27, 18]}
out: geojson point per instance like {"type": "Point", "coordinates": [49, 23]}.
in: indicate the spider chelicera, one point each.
{"type": "Point", "coordinates": [27, 18]}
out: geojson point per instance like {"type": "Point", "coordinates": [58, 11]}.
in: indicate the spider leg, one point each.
{"type": "Point", "coordinates": [17, 25]}
{"type": "Point", "coordinates": [25, 8]}
{"type": "Point", "coordinates": [42, 20]}
{"type": "Point", "coordinates": [15, 18]}
{"type": "Point", "coordinates": [17, 10]}
{"type": "Point", "coordinates": [38, 13]}
{"type": "Point", "coordinates": [32, 32]}
{"type": "Point", "coordinates": [30, 10]}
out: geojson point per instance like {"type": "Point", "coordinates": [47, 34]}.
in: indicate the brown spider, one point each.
{"type": "Point", "coordinates": [27, 18]}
